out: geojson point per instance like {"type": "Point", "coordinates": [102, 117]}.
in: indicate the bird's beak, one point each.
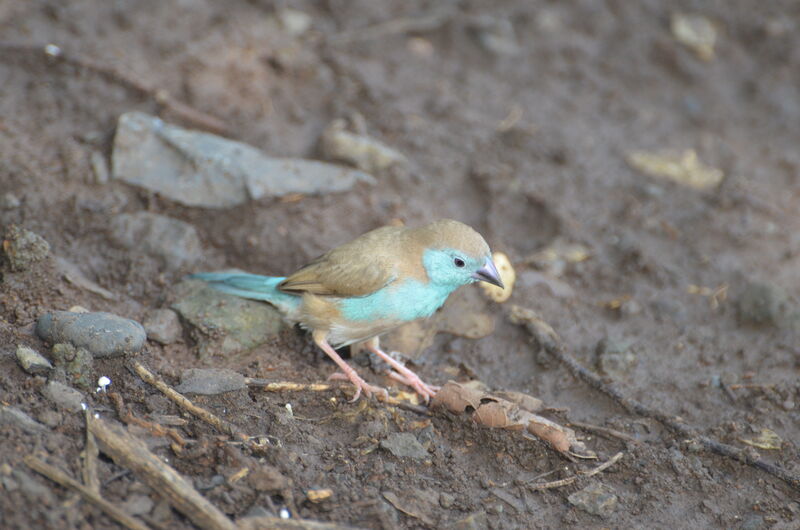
{"type": "Point", "coordinates": [488, 273]}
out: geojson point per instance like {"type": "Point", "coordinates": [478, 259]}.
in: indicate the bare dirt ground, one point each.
{"type": "Point", "coordinates": [517, 118]}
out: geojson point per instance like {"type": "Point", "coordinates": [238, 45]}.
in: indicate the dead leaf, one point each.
{"type": "Point", "coordinates": [766, 439]}
{"type": "Point", "coordinates": [412, 506]}
{"type": "Point", "coordinates": [493, 415]}
{"type": "Point", "coordinates": [555, 437]}
{"type": "Point", "coordinates": [684, 168]}
{"type": "Point", "coordinates": [456, 397]}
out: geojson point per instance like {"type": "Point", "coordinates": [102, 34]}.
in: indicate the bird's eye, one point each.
{"type": "Point", "coordinates": [458, 262]}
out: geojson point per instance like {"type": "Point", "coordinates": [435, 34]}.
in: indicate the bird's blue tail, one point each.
{"type": "Point", "coordinates": [251, 286]}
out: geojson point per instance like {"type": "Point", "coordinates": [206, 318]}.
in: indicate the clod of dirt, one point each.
{"type": "Point", "coordinates": [76, 363]}
{"type": "Point", "coordinates": [74, 275]}
{"type": "Point", "coordinates": [224, 323]}
{"type": "Point", "coordinates": [507, 274]}
{"type": "Point", "coordinates": [176, 243]}
{"type": "Point", "coordinates": [163, 326]}
{"type": "Point", "coordinates": [414, 503]}
{"type": "Point", "coordinates": [294, 21]}
{"type": "Point", "coordinates": [473, 521]}
{"type": "Point", "coordinates": [614, 359]}
{"type": "Point", "coordinates": [496, 35]}
{"type": "Point", "coordinates": [201, 169]}
{"type": "Point", "coordinates": [267, 478]}
{"type": "Point", "coordinates": [363, 152]}
{"type": "Point", "coordinates": [138, 505]}
{"type": "Point", "coordinates": [761, 304]}
{"type": "Point", "coordinates": [9, 201]}
{"type": "Point", "coordinates": [404, 445]}
{"type": "Point", "coordinates": [103, 334]}
{"type": "Point", "coordinates": [23, 248]}
{"type": "Point", "coordinates": [64, 396]}
{"type": "Point", "coordinates": [597, 499]}
{"type": "Point", "coordinates": [32, 361]}
{"type": "Point", "coordinates": [14, 416]}
{"type": "Point", "coordinates": [209, 381]}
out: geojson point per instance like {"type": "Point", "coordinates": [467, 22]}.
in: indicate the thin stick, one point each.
{"type": "Point", "coordinates": [569, 480]}
{"type": "Point", "coordinates": [186, 404]}
{"type": "Point", "coordinates": [128, 451]}
{"type": "Point", "coordinates": [289, 386]}
{"type": "Point", "coordinates": [604, 430]}
{"type": "Point", "coordinates": [551, 342]}
{"type": "Point", "coordinates": [59, 477]}
{"type": "Point", "coordinates": [427, 22]}
{"type": "Point", "coordinates": [185, 112]}
{"type": "Point", "coordinates": [90, 453]}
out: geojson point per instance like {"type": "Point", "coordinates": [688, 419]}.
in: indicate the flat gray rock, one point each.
{"type": "Point", "coordinates": [404, 444]}
{"type": "Point", "coordinates": [14, 416]}
{"type": "Point", "coordinates": [201, 169]}
{"type": "Point", "coordinates": [223, 323]}
{"type": "Point", "coordinates": [64, 396]}
{"type": "Point", "coordinates": [210, 381]}
{"type": "Point", "coordinates": [102, 334]}
{"type": "Point", "coordinates": [174, 241]}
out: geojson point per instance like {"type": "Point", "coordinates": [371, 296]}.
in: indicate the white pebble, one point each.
{"type": "Point", "coordinates": [284, 513]}
{"type": "Point", "coordinates": [52, 50]}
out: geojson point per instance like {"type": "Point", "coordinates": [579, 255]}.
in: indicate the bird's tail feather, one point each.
{"type": "Point", "coordinates": [253, 286]}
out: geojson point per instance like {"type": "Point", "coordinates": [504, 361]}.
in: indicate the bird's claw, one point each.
{"type": "Point", "coordinates": [361, 385]}
{"type": "Point", "coordinates": [420, 387]}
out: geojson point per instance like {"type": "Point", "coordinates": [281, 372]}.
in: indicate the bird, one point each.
{"type": "Point", "coordinates": [356, 292]}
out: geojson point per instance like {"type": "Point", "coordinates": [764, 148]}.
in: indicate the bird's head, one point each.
{"type": "Point", "coordinates": [454, 255]}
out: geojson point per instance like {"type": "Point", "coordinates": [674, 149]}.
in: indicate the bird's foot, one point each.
{"type": "Point", "coordinates": [404, 375]}
{"type": "Point", "coordinates": [420, 387]}
{"type": "Point", "coordinates": [360, 385]}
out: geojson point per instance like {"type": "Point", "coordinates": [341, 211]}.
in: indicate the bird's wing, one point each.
{"type": "Point", "coordinates": [358, 268]}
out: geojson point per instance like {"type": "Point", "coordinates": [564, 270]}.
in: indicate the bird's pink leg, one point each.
{"type": "Point", "coordinates": [401, 373]}
{"type": "Point", "coordinates": [321, 341]}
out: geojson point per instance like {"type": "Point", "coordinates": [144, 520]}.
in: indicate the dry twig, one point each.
{"type": "Point", "coordinates": [154, 428]}
{"type": "Point", "coordinates": [90, 453]}
{"type": "Point", "coordinates": [58, 476]}
{"type": "Point", "coordinates": [187, 405]}
{"type": "Point", "coordinates": [130, 452]}
{"type": "Point", "coordinates": [426, 22]}
{"type": "Point", "coordinates": [551, 343]}
{"type": "Point", "coordinates": [289, 386]}
{"type": "Point", "coordinates": [53, 53]}
{"type": "Point", "coordinates": [613, 433]}
{"type": "Point", "coordinates": [569, 480]}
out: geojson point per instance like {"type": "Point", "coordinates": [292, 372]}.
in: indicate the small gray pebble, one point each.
{"type": "Point", "coordinates": [597, 499]}
{"type": "Point", "coordinates": [103, 334]}
{"type": "Point", "coordinates": [64, 396]}
{"type": "Point", "coordinates": [32, 361]}
{"type": "Point", "coordinates": [209, 381]}
{"type": "Point", "coordinates": [163, 326]}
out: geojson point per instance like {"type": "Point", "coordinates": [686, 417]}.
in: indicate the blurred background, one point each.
{"type": "Point", "coordinates": [637, 163]}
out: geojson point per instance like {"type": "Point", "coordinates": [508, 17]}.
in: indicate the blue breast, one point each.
{"type": "Point", "coordinates": [404, 301]}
